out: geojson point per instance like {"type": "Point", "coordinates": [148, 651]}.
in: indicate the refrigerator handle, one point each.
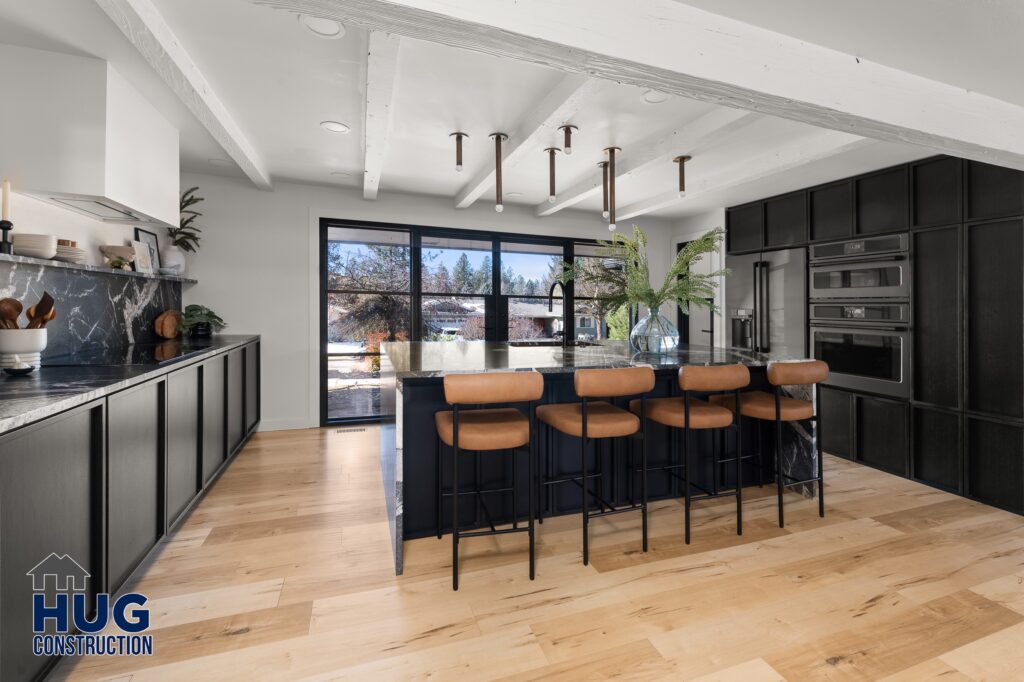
{"type": "Point", "coordinates": [766, 310]}
{"type": "Point", "coordinates": [755, 331]}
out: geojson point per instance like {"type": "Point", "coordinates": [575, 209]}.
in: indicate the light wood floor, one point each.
{"type": "Point", "coordinates": [284, 572]}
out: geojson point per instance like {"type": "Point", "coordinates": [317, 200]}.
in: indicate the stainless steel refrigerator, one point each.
{"type": "Point", "coordinates": [766, 302]}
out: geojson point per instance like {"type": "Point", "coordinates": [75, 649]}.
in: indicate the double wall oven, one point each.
{"type": "Point", "coordinates": [859, 313]}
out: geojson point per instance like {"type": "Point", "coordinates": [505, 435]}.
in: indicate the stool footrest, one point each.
{"type": "Point", "coordinates": [570, 479]}
{"type": "Point", "coordinates": [795, 483]}
{"type": "Point", "coordinates": [616, 510]}
{"type": "Point", "coordinates": [497, 531]}
{"type": "Point", "coordinates": [448, 493]}
{"type": "Point", "coordinates": [713, 496]}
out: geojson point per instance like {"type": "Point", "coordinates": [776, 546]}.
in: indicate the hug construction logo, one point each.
{"type": "Point", "coordinates": [60, 600]}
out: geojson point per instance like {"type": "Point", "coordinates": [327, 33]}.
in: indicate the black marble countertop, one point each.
{"type": "Point", "coordinates": [425, 359]}
{"type": "Point", "coordinates": [51, 390]}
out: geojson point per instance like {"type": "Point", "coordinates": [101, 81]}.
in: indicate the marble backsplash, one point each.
{"type": "Point", "coordinates": [95, 309]}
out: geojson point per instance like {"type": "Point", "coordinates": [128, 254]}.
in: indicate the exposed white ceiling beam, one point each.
{"type": "Point", "coordinates": [701, 134]}
{"type": "Point", "coordinates": [701, 179]}
{"type": "Point", "coordinates": [381, 65]}
{"type": "Point", "coordinates": [146, 29]}
{"type": "Point", "coordinates": [534, 132]}
{"type": "Point", "coordinates": [672, 47]}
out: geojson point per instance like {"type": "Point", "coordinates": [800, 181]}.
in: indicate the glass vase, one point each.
{"type": "Point", "coordinates": [654, 334]}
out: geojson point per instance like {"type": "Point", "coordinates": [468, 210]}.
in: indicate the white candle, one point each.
{"type": "Point", "coordinates": [7, 200]}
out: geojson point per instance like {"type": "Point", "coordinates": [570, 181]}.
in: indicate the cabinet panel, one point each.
{"type": "Point", "coordinates": [214, 425]}
{"type": "Point", "coordinates": [744, 227]}
{"type": "Point", "coordinates": [937, 448]}
{"type": "Point", "coordinates": [995, 463]}
{"type": "Point", "coordinates": [993, 191]}
{"type": "Point", "coordinates": [882, 434]}
{"type": "Point", "coordinates": [785, 220]}
{"type": "Point", "coordinates": [252, 385]}
{"type": "Point", "coordinates": [51, 486]}
{"type": "Point", "coordinates": [183, 439]}
{"type": "Point", "coordinates": [236, 398]}
{"type": "Point", "coordinates": [832, 211]}
{"type": "Point", "coordinates": [936, 192]}
{"type": "Point", "coordinates": [135, 500]}
{"type": "Point", "coordinates": [882, 202]}
{"type": "Point", "coordinates": [936, 334]}
{"type": "Point", "coordinates": [995, 334]}
{"type": "Point", "coordinates": [836, 411]}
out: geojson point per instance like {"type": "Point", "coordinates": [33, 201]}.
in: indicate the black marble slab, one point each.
{"type": "Point", "coordinates": [51, 390]}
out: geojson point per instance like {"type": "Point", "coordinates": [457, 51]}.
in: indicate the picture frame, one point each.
{"type": "Point", "coordinates": [142, 263]}
{"type": "Point", "coordinates": [150, 239]}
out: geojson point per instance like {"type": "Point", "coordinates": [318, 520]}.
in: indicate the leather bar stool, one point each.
{"type": "Point", "coordinates": [688, 413]}
{"type": "Point", "coordinates": [596, 420]}
{"type": "Point", "coordinates": [487, 430]}
{"type": "Point", "coordinates": [778, 408]}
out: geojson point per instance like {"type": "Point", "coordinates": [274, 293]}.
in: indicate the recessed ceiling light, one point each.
{"type": "Point", "coordinates": [322, 28]}
{"type": "Point", "coordinates": [220, 162]}
{"type": "Point", "coordinates": [334, 127]}
{"type": "Point", "coordinates": [655, 97]}
{"type": "Point", "coordinates": [513, 195]}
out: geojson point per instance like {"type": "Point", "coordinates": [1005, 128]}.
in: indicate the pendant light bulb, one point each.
{"type": "Point", "coordinates": [552, 199]}
{"type": "Point", "coordinates": [611, 227]}
{"type": "Point", "coordinates": [458, 168]}
{"type": "Point", "coordinates": [605, 214]}
{"type": "Point", "coordinates": [498, 208]}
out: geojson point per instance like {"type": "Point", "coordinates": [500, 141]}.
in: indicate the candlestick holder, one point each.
{"type": "Point", "coordinates": [5, 244]}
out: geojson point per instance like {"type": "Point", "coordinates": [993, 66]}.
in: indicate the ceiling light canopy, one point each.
{"type": "Point", "coordinates": [655, 97]}
{"type": "Point", "coordinates": [334, 127]}
{"type": "Point", "coordinates": [322, 28]}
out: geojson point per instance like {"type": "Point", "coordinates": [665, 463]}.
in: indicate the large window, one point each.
{"type": "Point", "coordinates": [456, 280]}
{"type": "Point", "coordinates": [527, 273]}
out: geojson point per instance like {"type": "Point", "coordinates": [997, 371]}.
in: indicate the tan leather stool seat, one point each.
{"type": "Point", "coordinates": [604, 420]}
{"type": "Point", "coordinates": [497, 429]}
{"type": "Point", "coordinates": [761, 405]}
{"type": "Point", "coordinates": [669, 411]}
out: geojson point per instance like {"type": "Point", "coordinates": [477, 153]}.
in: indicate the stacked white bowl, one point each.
{"type": "Point", "coordinates": [35, 245]}
{"type": "Point", "coordinates": [25, 345]}
{"type": "Point", "coordinates": [70, 254]}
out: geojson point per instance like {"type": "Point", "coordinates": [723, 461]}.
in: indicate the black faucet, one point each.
{"type": "Point", "coordinates": [551, 306]}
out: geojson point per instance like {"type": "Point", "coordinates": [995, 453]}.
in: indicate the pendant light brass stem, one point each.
{"type": "Point", "coordinates": [611, 185]}
{"type": "Point", "coordinates": [681, 160]}
{"type": "Point", "coordinates": [604, 188]}
{"type": "Point", "coordinates": [498, 139]}
{"type": "Point", "coordinates": [567, 142]}
{"type": "Point", "coordinates": [458, 149]}
{"type": "Point", "coordinates": [551, 172]}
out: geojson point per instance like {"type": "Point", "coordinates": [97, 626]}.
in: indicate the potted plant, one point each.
{"type": "Point", "coordinates": [624, 280]}
{"type": "Point", "coordinates": [200, 321]}
{"type": "Point", "coordinates": [185, 237]}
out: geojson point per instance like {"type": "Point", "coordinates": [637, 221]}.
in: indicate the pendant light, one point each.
{"type": "Point", "coordinates": [604, 188]}
{"type": "Point", "coordinates": [458, 150]}
{"type": "Point", "coordinates": [681, 160]}
{"type": "Point", "coordinates": [498, 139]}
{"type": "Point", "coordinates": [610, 171]}
{"type": "Point", "coordinates": [551, 173]}
{"type": "Point", "coordinates": [567, 129]}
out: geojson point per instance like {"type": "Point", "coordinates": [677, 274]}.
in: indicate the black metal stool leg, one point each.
{"type": "Point", "coordinates": [583, 467]}
{"type": "Point", "coordinates": [778, 469]}
{"type": "Point", "coordinates": [515, 493]}
{"type": "Point", "coordinates": [455, 500]}
{"type": "Point", "coordinates": [689, 464]}
{"type": "Point", "coordinates": [531, 455]}
{"type": "Point", "coordinates": [440, 489]}
{"type": "Point", "coordinates": [739, 469]}
{"type": "Point", "coordinates": [821, 463]}
{"type": "Point", "coordinates": [643, 476]}
{"type": "Point", "coordinates": [760, 452]}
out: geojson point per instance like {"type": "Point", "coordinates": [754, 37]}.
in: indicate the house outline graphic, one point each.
{"type": "Point", "coordinates": [68, 574]}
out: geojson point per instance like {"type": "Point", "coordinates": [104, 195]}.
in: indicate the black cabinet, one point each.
{"type": "Point", "coordinates": [936, 192]}
{"type": "Point", "coordinates": [995, 330]}
{"type": "Point", "coordinates": [936, 451]}
{"type": "Point", "coordinates": [215, 440]}
{"type": "Point", "coordinates": [881, 433]}
{"type": "Point", "coordinates": [51, 500]}
{"type": "Point", "coordinates": [995, 463]}
{"type": "Point", "coordinates": [882, 201]}
{"type": "Point", "coordinates": [745, 228]}
{"type": "Point", "coordinates": [184, 440]}
{"type": "Point", "coordinates": [252, 386]}
{"type": "Point", "coordinates": [837, 421]}
{"type": "Point", "coordinates": [993, 191]}
{"type": "Point", "coordinates": [831, 208]}
{"type": "Point", "coordinates": [936, 328]}
{"type": "Point", "coordinates": [236, 398]}
{"type": "Point", "coordinates": [135, 428]}
{"type": "Point", "coordinates": [785, 220]}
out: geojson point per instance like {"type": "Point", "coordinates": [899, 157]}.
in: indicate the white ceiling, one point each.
{"type": "Point", "coordinates": [279, 81]}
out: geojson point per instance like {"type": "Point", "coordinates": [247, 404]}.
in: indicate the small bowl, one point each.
{"type": "Point", "coordinates": [113, 251]}
{"type": "Point", "coordinates": [22, 341]}
{"type": "Point", "coordinates": [19, 372]}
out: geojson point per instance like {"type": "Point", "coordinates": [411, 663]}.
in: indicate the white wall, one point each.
{"type": "Point", "coordinates": [690, 228]}
{"type": "Point", "coordinates": [259, 266]}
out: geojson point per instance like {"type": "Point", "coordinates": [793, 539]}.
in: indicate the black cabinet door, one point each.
{"type": "Point", "coordinates": [936, 455]}
{"type": "Point", "coordinates": [936, 335]}
{"type": "Point", "coordinates": [744, 227]}
{"type": "Point", "coordinates": [995, 463]}
{"type": "Point", "coordinates": [236, 398]}
{"type": "Point", "coordinates": [214, 422]}
{"type": "Point", "coordinates": [882, 433]}
{"type": "Point", "coordinates": [836, 412]}
{"type": "Point", "coordinates": [882, 201]}
{"type": "Point", "coordinates": [993, 191]}
{"type": "Point", "coordinates": [135, 436]}
{"type": "Point", "coordinates": [995, 333]}
{"type": "Point", "coordinates": [184, 439]}
{"type": "Point", "coordinates": [936, 192]}
{"type": "Point", "coordinates": [51, 487]}
{"type": "Point", "coordinates": [252, 386]}
{"type": "Point", "coordinates": [785, 220]}
{"type": "Point", "coordinates": [832, 211]}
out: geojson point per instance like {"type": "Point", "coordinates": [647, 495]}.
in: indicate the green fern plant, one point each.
{"type": "Point", "coordinates": [186, 235]}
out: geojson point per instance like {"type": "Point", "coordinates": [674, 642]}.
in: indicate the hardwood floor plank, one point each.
{"type": "Point", "coordinates": [756, 670]}
{"type": "Point", "coordinates": [1000, 656]}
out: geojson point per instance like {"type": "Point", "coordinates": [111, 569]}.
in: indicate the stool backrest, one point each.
{"type": "Point", "coordinates": [613, 383]}
{"type": "Point", "coordinates": [713, 377]}
{"type": "Point", "coordinates": [493, 387]}
{"type": "Point", "coordinates": [797, 373]}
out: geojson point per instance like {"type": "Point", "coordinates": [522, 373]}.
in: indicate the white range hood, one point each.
{"type": "Point", "coordinates": [76, 134]}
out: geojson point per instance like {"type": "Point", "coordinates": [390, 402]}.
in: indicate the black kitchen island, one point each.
{"type": "Point", "coordinates": [412, 391]}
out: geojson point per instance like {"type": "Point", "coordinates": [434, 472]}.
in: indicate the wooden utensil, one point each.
{"type": "Point", "coordinates": [38, 313]}
{"type": "Point", "coordinates": [10, 311]}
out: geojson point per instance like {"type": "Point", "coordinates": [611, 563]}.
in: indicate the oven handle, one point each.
{"type": "Point", "coordinates": [855, 260]}
{"type": "Point", "coordinates": [847, 327]}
